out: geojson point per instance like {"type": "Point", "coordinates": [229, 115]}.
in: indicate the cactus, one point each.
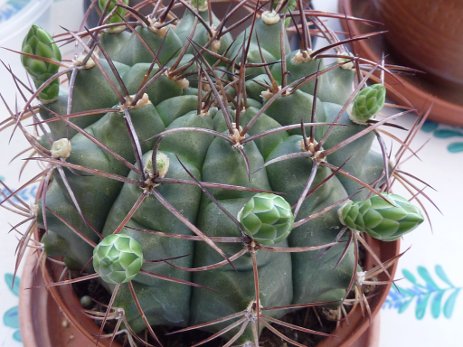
{"type": "Point", "coordinates": [203, 179]}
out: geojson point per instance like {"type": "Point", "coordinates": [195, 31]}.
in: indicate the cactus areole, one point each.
{"type": "Point", "coordinates": [207, 182]}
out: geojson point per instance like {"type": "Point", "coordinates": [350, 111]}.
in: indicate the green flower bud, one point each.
{"type": "Point", "coordinates": [39, 43]}
{"type": "Point", "coordinates": [367, 103]}
{"type": "Point", "coordinates": [379, 218]}
{"type": "Point", "coordinates": [118, 258]}
{"type": "Point", "coordinates": [267, 218]}
{"type": "Point", "coordinates": [117, 14]}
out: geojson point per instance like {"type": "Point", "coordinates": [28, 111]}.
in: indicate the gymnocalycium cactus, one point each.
{"type": "Point", "coordinates": [210, 182]}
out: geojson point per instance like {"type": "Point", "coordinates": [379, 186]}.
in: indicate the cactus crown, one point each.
{"type": "Point", "coordinates": [202, 178]}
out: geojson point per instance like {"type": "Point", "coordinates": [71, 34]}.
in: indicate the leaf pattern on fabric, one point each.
{"type": "Point", "coordinates": [445, 133]}
{"type": "Point", "coordinates": [432, 293]}
{"type": "Point", "coordinates": [11, 316]}
{"type": "Point", "coordinates": [10, 8]}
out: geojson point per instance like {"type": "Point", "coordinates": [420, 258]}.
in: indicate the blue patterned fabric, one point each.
{"type": "Point", "coordinates": [10, 8]}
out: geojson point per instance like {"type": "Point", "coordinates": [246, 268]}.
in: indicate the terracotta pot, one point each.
{"type": "Point", "coordinates": [427, 33]}
{"type": "Point", "coordinates": [53, 317]}
{"type": "Point", "coordinates": [419, 91]}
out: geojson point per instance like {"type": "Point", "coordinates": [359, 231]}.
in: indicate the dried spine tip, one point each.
{"type": "Point", "coordinates": [311, 146]}
{"type": "Point", "coordinates": [81, 62]}
{"type": "Point", "coordinates": [143, 101]}
{"type": "Point", "coordinates": [118, 258]}
{"type": "Point", "coordinates": [205, 110]}
{"type": "Point", "coordinates": [236, 136]}
{"type": "Point", "coordinates": [182, 83]}
{"type": "Point", "coordinates": [267, 94]}
{"type": "Point", "coordinates": [270, 17]}
{"type": "Point", "coordinates": [162, 165]}
{"type": "Point", "coordinates": [302, 56]}
{"type": "Point", "coordinates": [61, 148]}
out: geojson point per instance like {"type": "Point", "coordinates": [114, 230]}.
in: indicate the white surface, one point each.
{"type": "Point", "coordinates": [62, 11]}
{"type": "Point", "coordinates": [438, 166]}
{"type": "Point", "coordinates": [19, 16]}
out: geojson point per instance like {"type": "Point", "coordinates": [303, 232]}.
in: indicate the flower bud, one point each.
{"type": "Point", "coordinates": [40, 43]}
{"type": "Point", "coordinates": [380, 219]}
{"type": "Point", "coordinates": [118, 258]}
{"type": "Point", "coordinates": [368, 103]}
{"type": "Point", "coordinates": [267, 218]}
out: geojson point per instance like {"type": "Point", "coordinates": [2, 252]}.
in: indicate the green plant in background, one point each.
{"type": "Point", "coordinates": [208, 182]}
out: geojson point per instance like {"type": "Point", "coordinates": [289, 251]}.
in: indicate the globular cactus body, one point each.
{"type": "Point", "coordinates": [212, 218]}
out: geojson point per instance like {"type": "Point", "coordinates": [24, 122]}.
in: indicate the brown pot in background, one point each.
{"type": "Point", "coordinates": [426, 33]}
{"type": "Point", "coordinates": [51, 316]}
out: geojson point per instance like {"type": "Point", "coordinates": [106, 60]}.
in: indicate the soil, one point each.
{"type": "Point", "coordinates": [311, 318]}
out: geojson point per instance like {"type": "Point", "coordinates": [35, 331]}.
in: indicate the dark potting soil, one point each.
{"type": "Point", "coordinates": [310, 318]}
